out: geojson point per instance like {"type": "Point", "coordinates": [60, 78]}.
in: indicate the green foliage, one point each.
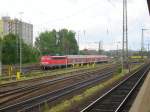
{"type": "Point", "coordinates": [11, 50]}
{"type": "Point", "coordinates": [9, 46]}
{"type": "Point", "coordinates": [49, 42]}
{"type": "Point", "coordinates": [57, 43]}
{"type": "Point", "coordinates": [119, 70]}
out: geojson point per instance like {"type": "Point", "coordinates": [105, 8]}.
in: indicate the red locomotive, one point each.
{"type": "Point", "coordinates": [59, 61]}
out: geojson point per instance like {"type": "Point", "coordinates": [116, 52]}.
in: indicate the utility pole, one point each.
{"type": "Point", "coordinates": [20, 47]}
{"type": "Point", "coordinates": [1, 37]}
{"type": "Point", "coordinates": [17, 41]}
{"type": "Point", "coordinates": [100, 47]}
{"type": "Point", "coordinates": [122, 61]}
{"type": "Point", "coordinates": [127, 54]}
{"type": "Point", "coordinates": [117, 51]}
{"type": "Point", "coordinates": [0, 56]}
{"type": "Point", "coordinates": [142, 41]}
{"type": "Point", "coordinates": [84, 33]}
{"type": "Point", "coordinates": [117, 48]}
{"type": "Point", "coordinates": [125, 36]}
{"type": "Point", "coordinates": [79, 42]}
{"type": "Point", "coordinates": [21, 41]}
{"type": "Point", "coordinates": [148, 50]}
{"type": "Point", "coordinates": [63, 43]}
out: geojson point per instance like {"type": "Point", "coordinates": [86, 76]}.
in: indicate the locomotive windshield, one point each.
{"type": "Point", "coordinates": [58, 58]}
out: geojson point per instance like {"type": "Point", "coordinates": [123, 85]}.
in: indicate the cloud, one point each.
{"type": "Point", "coordinates": [101, 19]}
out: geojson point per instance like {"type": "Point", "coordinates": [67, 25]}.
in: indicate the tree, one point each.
{"type": "Point", "coordinates": [52, 42]}
{"type": "Point", "coordinates": [10, 50]}
{"type": "Point", "coordinates": [46, 43]}
{"type": "Point", "coordinates": [68, 42]}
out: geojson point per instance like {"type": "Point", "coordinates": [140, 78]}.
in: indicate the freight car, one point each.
{"type": "Point", "coordinates": [59, 61]}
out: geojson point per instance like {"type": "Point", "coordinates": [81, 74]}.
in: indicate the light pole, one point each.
{"type": "Point", "coordinates": [99, 47]}
{"type": "Point", "coordinates": [147, 45]}
{"type": "Point", "coordinates": [117, 48]}
{"type": "Point", "coordinates": [84, 33]}
{"type": "Point", "coordinates": [125, 36]}
{"type": "Point", "coordinates": [117, 51]}
{"type": "Point", "coordinates": [148, 50]}
{"type": "Point", "coordinates": [21, 41]}
{"type": "Point", "coordinates": [1, 37]}
{"type": "Point", "coordinates": [78, 42]}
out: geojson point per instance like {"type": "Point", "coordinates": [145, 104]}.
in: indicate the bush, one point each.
{"type": "Point", "coordinates": [119, 70]}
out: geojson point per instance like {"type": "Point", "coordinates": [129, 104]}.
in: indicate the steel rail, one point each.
{"type": "Point", "coordinates": [3, 86]}
{"type": "Point", "coordinates": [107, 96]}
{"type": "Point", "coordinates": [55, 94]}
{"type": "Point", "coordinates": [131, 92]}
{"type": "Point", "coordinates": [32, 88]}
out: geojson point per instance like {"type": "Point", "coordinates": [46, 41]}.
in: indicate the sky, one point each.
{"type": "Point", "coordinates": [92, 20]}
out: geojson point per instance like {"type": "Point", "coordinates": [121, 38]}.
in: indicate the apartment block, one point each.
{"type": "Point", "coordinates": [17, 27]}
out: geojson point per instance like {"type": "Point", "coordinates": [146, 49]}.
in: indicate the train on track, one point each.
{"type": "Point", "coordinates": [60, 61]}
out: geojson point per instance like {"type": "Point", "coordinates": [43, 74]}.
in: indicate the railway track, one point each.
{"type": "Point", "coordinates": [59, 76]}
{"type": "Point", "coordinates": [118, 99]}
{"type": "Point", "coordinates": [25, 69]}
{"type": "Point", "coordinates": [37, 72]}
{"type": "Point", "coordinates": [32, 87]}
{"type": "Point", "coordinates": [49, 96]}
{"type": "Point", "coordinates": [34, 68]}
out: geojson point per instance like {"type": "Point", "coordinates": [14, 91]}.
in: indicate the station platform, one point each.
{"type": "Point", "coordinates": [142, 101]}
